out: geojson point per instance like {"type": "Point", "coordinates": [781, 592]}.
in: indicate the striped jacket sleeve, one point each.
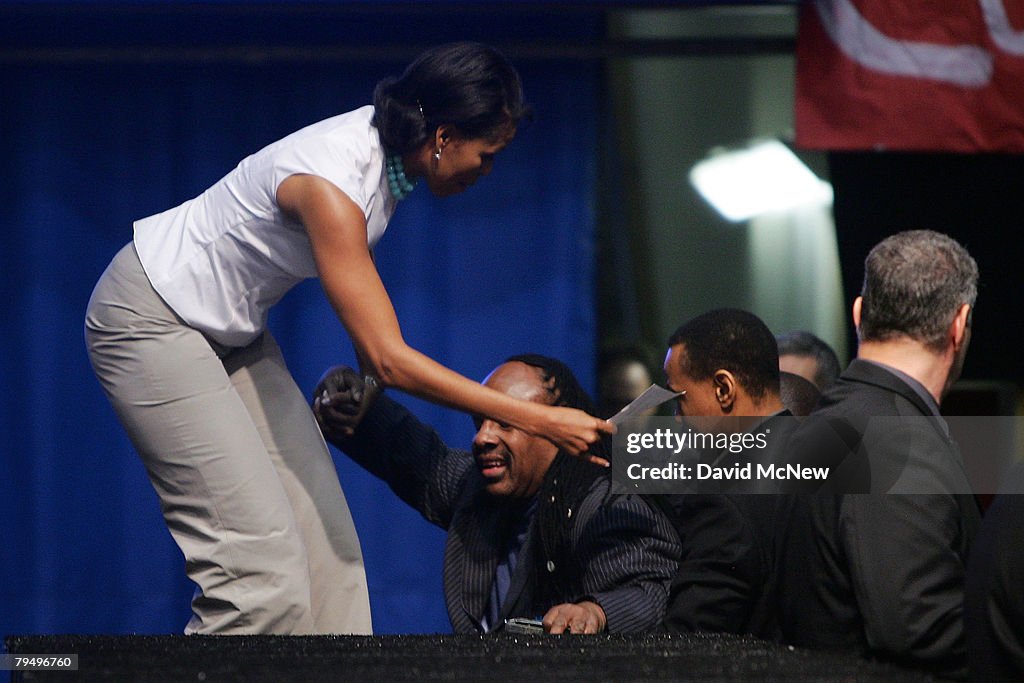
{"type": "Point", "coordinates": [628, 552]}
{"type": "Point", "coordinates": [394, 446]}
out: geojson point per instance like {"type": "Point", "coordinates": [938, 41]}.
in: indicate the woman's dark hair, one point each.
{"type": "Point", "coordinates": [565, 486]}
{"type": "Point", "coordinates": [468, 85]}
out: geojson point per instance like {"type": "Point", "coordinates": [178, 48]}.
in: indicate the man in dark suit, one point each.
{"type": "Point", "coordinates": [727, 364]}
{"type": "Point", "coordinates": [883, 574]}
{"type": "Point", "coordinates": [532, 531]}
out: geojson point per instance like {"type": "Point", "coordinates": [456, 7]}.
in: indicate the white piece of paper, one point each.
{"type": "Point", "coordinates": [652, 396]}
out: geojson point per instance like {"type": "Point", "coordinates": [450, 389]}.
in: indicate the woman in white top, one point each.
{"type": "Point", "coordinates": [176, 332]}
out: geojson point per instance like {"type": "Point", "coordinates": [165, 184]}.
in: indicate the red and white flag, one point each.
{"type": "Point", "coordinates": [911, 75]}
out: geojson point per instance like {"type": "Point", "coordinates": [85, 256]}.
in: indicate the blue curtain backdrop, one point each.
{"type": "Point", "coordinates": [87, 146]}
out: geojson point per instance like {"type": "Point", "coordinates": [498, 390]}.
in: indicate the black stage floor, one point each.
{"type": "Point", "coordinates": [497, 657]}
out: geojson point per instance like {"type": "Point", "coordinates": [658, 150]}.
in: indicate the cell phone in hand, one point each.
{"type": "Point", "coordinates": [523, 625]}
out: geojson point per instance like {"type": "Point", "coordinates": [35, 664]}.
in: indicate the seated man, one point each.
{"type": "Point", "coordinates": [727, 364]}
{"type": "Point", "coordinates": [532, 531]}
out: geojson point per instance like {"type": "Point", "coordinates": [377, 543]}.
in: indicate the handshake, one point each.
{"type": "Point", "coordinates": [340, 400]}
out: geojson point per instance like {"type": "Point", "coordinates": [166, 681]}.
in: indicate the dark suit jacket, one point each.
{"type": "Point", "coordinates": [726, 579]}
{"type": "Point", "coordinates": [625, 551]}
{"type": "Point", "coordinates": [883, 573]}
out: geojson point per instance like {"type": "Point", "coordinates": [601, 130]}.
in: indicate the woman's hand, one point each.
{"type": "Point", "coordinates": [574, 431]}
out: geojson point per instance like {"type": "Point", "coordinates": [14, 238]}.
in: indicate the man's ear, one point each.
{"type": "Point", "coordinates": [857, 303]}
{"type": "Point", "coordinates": [959, 327]}
{"type": "Point", "coordinates": [725, 389]}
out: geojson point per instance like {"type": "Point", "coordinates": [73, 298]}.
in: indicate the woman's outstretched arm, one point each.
{"type": "Point", "coordinates": [337, 232]}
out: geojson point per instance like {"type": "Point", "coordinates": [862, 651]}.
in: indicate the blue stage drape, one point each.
{"type": "Point", "coordinates": [86, 148]}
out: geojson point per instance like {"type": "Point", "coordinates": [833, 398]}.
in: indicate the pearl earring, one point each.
{"type": "Point", "coordinates": [437, 154]}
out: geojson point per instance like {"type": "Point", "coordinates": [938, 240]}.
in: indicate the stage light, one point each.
{"type": "Point", "coordinates": [762, 177]}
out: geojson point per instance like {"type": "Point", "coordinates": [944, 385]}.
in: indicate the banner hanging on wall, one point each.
{"type": "Point", "coordinates": [911, 75]}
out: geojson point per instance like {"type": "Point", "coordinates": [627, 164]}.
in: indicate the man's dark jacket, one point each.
{"type": "Point", "coordinates": [726, 581]}
{"type": "Point", "coordinates": [624, 551]}
{"type": "Point", "coordinates": [883, 573]}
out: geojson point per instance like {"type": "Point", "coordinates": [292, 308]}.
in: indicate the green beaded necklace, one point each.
{"type": "Point", "coordinates": [400, 185]}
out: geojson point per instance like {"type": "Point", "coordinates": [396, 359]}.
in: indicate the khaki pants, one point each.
{"type": "Point", "coordinates": [246, 484]}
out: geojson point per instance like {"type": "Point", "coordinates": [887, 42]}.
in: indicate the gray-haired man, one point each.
{"type": "Point", "coordinates": [884, 573]}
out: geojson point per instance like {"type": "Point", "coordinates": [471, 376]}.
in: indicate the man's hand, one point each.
{"type": "Point", "coordinates": [341, 399]}
{"type": "Point", "coordinates": [580, 617]}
